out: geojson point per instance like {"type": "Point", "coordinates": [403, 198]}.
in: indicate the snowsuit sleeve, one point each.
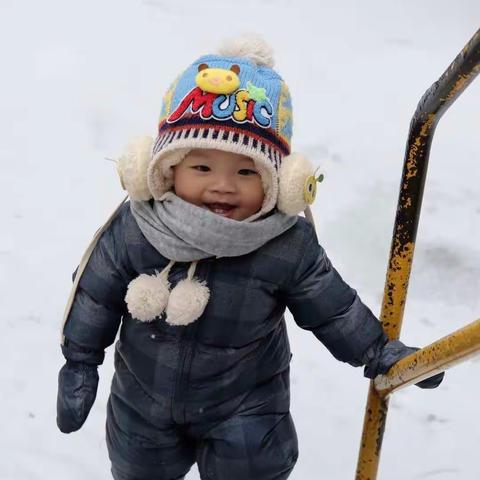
{"type": "Point", "coordinates": [99, 304]}
{"type": "Point", "coordinates": [320, 301]}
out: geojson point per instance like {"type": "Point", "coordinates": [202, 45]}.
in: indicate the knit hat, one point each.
{"type": "Point", "coordinates": [232, 101]}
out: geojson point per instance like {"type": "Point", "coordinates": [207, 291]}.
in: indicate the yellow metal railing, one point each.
{"type": "Point", "coordinates": [461, 344]}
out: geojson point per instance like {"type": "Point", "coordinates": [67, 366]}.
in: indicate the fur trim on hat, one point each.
{"type": "Point", "coordinates": [251, 46]}
{"type": "Point", "coordinates": [132, 168]}
{"type": "Point", "coordinates": [159, 175]}
{"type": "Point", "coordinates": [293, 174]}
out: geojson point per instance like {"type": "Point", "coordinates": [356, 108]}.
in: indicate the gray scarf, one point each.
{"type": "Point", "coordinates": [184, 232]}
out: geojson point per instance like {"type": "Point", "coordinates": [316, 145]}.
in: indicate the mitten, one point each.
{"type": "Point", "coordinates": [77, 385]}
{"type": "Point", "coordinates": [383, 354]}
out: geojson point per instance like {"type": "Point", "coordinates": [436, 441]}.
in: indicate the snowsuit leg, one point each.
{"type": "Point", "coordinates": [135, 457]}
{"type": "Point", "coordinates": [143, 443]}
{"type": "Point", "coordinates": [257, 442]}
{"type": "Point", "coordinates": [249, 447]}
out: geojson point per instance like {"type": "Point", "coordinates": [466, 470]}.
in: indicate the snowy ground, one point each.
{"type": "Point", "coordinates": [79, 79]}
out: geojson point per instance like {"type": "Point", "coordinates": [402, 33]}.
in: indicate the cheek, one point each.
{"type": "Point", "coordinates": [186, 186]}
{"type": "Point", "coordinates": [255, 194]}
{"type": "Point", "coordinates": [180, 182]}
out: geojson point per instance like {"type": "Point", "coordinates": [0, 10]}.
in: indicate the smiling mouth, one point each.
{"type": "Point", "coordinates": [224, 209]}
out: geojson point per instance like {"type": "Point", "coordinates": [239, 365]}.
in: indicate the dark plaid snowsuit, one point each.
{"type": "Point", "coordinates": [216, 391]}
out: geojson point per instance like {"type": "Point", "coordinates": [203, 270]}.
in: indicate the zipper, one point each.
{"type": "Point", "coordinates": [187, 350]}
{"type": "Point", "coordinates": [186, 355]}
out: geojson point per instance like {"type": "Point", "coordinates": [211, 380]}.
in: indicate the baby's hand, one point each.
{"type": "Point", "coordinates": [77, 389]}
{"type": "Point", "coordinates": [384, 354]}
{"type": "Point", "coordinates": [431, 382]}
{"type": "Point", "coordinates": [77, 385]}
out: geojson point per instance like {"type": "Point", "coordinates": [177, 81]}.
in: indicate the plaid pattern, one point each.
{"type": "Point", "coordinates": [205, 373]}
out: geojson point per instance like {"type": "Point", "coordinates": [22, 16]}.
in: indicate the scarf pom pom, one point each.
{"type": "Point", "coordinates": [187, 302]}
{"type": "Point", "coordinates": [147, 296]}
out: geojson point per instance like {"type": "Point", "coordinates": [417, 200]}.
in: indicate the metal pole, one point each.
{"type": "Point", "coordinates": [436, 100]}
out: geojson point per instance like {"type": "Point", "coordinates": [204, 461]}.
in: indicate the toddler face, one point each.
{"type": "Point", "coordinates": [226, 183]}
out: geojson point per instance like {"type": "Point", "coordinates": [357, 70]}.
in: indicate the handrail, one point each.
{"type": "Point", "coordinates": [436, 100]}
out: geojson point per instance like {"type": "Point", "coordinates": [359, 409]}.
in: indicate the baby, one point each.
{"type": "Point", "coordinates": [198, 269]}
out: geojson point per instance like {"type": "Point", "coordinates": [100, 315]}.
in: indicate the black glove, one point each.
{"type": "Point", "coordinates": [77, 385]}
{"type": "Point", "coordinates": [383, 354]}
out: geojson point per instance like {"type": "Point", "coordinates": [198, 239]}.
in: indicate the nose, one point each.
{"type": "Point", "coordinates": [223, 183]}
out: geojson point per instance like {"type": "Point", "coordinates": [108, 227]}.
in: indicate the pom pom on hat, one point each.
{"type": "Point", "coordinates": [251, 46]}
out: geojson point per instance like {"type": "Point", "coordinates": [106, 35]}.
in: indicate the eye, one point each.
{"type": "Point", "coordinates": [229, 78]}
{"type": "Point", "coordinates": [247, 172]}
{"type": "Point", "coordinates": [201, 168]}
{"type": "Point", "coordinates": [205, 75]}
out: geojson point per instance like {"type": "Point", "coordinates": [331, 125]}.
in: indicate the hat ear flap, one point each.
{"type": "Point", "coordinates": [296, 184]}
{"type": "Point", "coordinates": [132, 168]}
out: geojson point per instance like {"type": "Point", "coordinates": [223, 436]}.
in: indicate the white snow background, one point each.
{"type": "Point", "coordinates": [80, 79]}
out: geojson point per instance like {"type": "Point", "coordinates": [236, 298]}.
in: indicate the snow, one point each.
{"type": "Point", "coordinates": [79, 79]}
